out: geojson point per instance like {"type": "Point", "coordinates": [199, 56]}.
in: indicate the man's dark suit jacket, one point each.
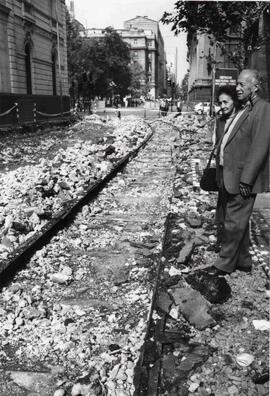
{"type": "Point", "coordinates": [246, 154]}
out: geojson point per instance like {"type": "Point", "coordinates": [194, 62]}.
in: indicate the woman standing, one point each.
{"type": "Point", "coordinates": [229, 107]}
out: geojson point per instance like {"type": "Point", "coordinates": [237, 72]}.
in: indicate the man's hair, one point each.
{"type": "Point", "coordinates": [254, 76]}
{"type": "Point", "coordinates": [228, 90]}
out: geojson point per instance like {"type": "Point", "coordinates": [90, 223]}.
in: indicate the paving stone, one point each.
{"type": "Point", "coordinates": [36, 383]}
{"type": "Point", "coordinates": [168, 365]}
{"type": "Point", "coordinates": [194, 307]}
{"type": "Point", "coordinates": [194, 220]}
{"type": "Point", "coordinates": [164, 301]}
{"type": "Point", "coordinates": [185, 253]}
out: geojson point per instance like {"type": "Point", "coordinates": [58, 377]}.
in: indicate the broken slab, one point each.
{"type": "Point", "coordinates": [194, 307]}
{"type": "Point", "coordinates": [185, 253]}
{"type": "Point", "coordinates": [164, 302]}
{"type": "Point", "coordinates": [35, 383]}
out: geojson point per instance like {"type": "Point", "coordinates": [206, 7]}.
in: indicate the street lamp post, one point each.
{"type": "Point", "coordinates": [213, 64]}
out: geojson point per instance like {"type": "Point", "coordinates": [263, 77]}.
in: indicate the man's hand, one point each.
{"type": "Point", "coordinates": [245, 190]}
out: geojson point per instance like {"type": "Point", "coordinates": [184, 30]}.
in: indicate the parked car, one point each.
{"type": "Point", "coordinates": [204, 108]}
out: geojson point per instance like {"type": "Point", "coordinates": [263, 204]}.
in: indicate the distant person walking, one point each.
{"type": "Point", "coordinates": [179, 106]}
{"type": "Point", "coordinates": [126, 102]}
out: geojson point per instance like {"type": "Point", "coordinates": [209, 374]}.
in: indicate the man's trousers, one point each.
{"type": "Point", "coordinates": [234, 251]}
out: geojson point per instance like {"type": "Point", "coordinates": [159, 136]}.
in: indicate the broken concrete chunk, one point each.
{"type": "Point", "coordinates": [194, 220]}
{"type": "Point", "coordinates": [185, 253]}
{"type": "Point", "coordinates": [164, 301]}
{"type": "Point", "coordinates": [194, 307]}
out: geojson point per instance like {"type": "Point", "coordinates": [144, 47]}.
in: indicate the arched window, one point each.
{"type": "Point", "coordinates": [54, 73]}
{"type": "Point", "coordinates": [27, 49]}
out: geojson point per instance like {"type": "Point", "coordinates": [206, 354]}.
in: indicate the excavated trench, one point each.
{"type": "Point", "coordinates": [112, 305]}
{"type": "Point", "coordinates": [82, 302]}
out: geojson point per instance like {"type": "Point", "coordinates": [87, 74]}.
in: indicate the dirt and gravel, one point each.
{"type": "Point", "coordinates": [109, 307]}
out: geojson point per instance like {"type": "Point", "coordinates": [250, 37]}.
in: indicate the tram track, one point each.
{"type": "Point", "coordinates": [24, 251]}
{"type": "Point", "coordinates": [89, 313]}
{"type": "Point", "coordinates": [92, 278]}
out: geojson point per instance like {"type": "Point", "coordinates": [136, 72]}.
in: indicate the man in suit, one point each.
{"type": "Point", "coordinates": [242, 172]}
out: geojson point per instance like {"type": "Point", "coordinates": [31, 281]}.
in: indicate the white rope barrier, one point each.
{"type": "Point", "coordinates": [52, 115]}
{"type": "Point", "coordinates": [8, 111]}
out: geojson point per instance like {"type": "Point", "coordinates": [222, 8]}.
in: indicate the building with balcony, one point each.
{"type": "Point", "coordinates": [33, 58]}
{"type": "Point", "coordinates": [146, 49]}
{"type": "Point", "coordinates": [153, 52]}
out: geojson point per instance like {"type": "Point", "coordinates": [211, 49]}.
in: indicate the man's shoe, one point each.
{"type": "Point", "coordinates": [215, 271]}
{"type": "Point", "coordinates": [244, 269]}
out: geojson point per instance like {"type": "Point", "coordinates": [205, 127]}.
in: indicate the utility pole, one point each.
{"type": "Point", "coordinates": [176, 64]}
{"type": "Point", "coordinates": [212, 60]}
{"type": "Point", "coordinates": [213, 64]}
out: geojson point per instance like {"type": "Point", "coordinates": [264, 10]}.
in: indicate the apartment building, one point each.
{"type": "Point", "coordinates": [146, 48]}
{"type": "Point", "coordinates": [204, 55]}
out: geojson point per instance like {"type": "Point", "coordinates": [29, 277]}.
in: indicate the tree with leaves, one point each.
{"type": "Point", "coordinates": [184, 86]}
{"type": "Point", "coordinates": [99, 66]}
{"type": "Point", "coordinates": [138, 85]}
{"type": "Point", "coordinates": [217, 19]}
{"type": "Point", "coordinates": [74, 44]}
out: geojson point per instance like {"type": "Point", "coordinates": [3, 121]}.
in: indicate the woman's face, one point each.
{"type": "Point", "coordinates": [226, 104]}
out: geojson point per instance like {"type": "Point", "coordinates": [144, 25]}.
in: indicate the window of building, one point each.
{"type": "Point", "coordinates": [135, 41]}
{"type": "Point", "coordinates": [54, 73]}
{"type": "Point", "coordinates": [53, 12]}
{"type": "Point", "coordinates": [27, 6]}
{"type": "Point", "coordinates": [28, 69]}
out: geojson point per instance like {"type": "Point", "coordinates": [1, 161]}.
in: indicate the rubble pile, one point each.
{"type": "Point", "coordinates": [74, 321]}
{"type": "Point", "coordinates": [220, 352]}
{"type": "Point", "coordinates": [78, 313]}
{"type": "Point", "coordinates": [32, 194]}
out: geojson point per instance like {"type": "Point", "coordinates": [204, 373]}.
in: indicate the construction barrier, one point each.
{"type": "Point", "coordinates": [9, 110]}
{"type": "Point", "coordinates": [53, 115]}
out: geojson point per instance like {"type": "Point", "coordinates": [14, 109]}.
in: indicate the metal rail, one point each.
{"type": "Point", "coordinates": [26, 250]}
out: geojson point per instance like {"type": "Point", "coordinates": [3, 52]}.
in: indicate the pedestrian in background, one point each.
{"type": "Point", "coordinates": [242, 172]}
{"type": "Point", "coordinates": [179, 106]}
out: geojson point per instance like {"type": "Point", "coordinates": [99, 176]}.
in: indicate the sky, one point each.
{"type": "Point", "coordinates": [103, 13]}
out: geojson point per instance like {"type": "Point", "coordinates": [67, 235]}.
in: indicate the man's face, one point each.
{"type": "Point", "coordinates": [245, 88]}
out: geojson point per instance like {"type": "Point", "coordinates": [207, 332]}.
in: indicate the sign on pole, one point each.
{"type": "Point", "coordinates": [226, 77]}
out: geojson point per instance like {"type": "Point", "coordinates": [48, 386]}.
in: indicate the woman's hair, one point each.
{"type": "Point", "coordinates": [229, 90]}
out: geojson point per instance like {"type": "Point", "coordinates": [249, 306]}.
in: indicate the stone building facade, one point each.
{"type": "Point", "coordinates": [202, 52]}
{"type": "Point", "coordinates": [153, 52]}
{"type": "Point", "coordinates": [146, 48]}
{"type": "Point", "coordinates": [33, 58]}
